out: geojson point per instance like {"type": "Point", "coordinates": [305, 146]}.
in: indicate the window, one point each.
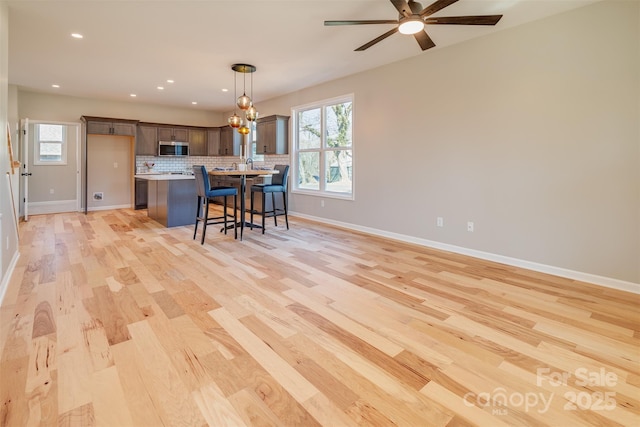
{"type": "Point", "coordinates": [50, 147]}
{"type": "Point", "coordinates": [323, 148]}
{"type": "Point", "coordinates": [256, 157]}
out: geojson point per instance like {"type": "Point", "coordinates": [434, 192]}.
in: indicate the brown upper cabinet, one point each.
{"type": "Point", "coordinates": [167, 133]}
{"type": "Point", "coordinates": [104, 126]}
{"type": "Point", "coordinates": [272, 135]}
{"type": "Point", "coordinates": [147, 140]}
{"type": "Point", "coordinates": [213, 141]}
{"type": "Point", "coordinates": [230, 141]}
{"type": "Point", "coordinates": [197, 141]}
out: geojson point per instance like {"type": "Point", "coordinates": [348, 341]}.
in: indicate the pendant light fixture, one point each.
{"type": "Point", "coordinates": [234, 121]}
{"type": "Point", "coordinates": [251, 114]}
{"type": "Point", "coordinates": [244, 102]}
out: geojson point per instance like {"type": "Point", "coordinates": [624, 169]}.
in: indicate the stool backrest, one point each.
{"type": "Point", "coordinates": [282, 177]}
{"type": "Point", "coordinates": [202, 180]}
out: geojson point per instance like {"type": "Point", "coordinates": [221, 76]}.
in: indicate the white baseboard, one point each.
{"type": "Point", "coordinates": [5, 279]}
{"type": "Point", "coordinates": [108, 208]}
{"type": "Point", "coordinates": [549, 269]}
{"type": "Point", "coordinates": [39, 208]}
{"type": "Point", "coordinates": [57, 206]}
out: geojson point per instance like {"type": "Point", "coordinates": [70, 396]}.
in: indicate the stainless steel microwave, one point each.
{"type": "Point", "coordinates": [173, 148]}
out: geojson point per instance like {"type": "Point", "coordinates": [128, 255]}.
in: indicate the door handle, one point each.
{"type": "Point", "coordinates": [26, 174]}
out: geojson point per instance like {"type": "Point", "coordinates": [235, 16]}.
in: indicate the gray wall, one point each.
{"type": "Point", "coordinates": [110, 167]}
{"type": "Point", "coordinates": [532, 133]}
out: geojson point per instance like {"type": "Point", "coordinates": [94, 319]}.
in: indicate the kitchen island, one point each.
{"type": "Point", "coordinates": [171, 198]}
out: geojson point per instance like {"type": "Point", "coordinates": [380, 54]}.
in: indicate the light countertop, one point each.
{"type": "Point", "coordinates": [164, 177]}
{"type": "Point", "coordinates": [250, 172]}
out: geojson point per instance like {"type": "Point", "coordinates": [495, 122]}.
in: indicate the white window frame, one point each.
{"type": "Point", "coordinates": [252, 145]}
{"type": "Point", "coordinates": [37, 141]}
{"type": "Point", "coordinates": [321, 192]}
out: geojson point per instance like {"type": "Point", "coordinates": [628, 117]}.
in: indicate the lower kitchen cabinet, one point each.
{"type": "Point", "coordinates": [172, 203]}
{"type": "Point", "coordinates": [142, 189]}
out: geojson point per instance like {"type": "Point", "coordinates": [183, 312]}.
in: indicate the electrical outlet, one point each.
{"type": "Point", "coordinates": [470, 226]}
{"type": "Point", "coordinates": [440, 221]}
{"type": "Point", "coordinates": [51, 191]}
{"type": "Point", "coordinates": [322, 203]}
{"type": "Point", "coordinates": [98, 196]}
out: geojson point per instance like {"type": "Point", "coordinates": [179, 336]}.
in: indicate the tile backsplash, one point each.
{"type": "Point", "coordinates": [184, 164]}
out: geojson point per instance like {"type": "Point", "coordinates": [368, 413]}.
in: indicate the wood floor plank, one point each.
{"type": "Point", "coordinates": [169, 394]}
{"type": "Point", "coordinates": [139, 401]}
{"type": "Point", "coordinates": [216, 408]}
{"type": "Point", "coordinates": [111, 319]}
{"type": "Point", "coordinates": [292, 381]}
{"type": "Point", "coordinates": [110, 405]}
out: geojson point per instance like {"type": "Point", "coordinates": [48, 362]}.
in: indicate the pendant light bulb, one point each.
{"type": "Point", "coordinates": [251, 113]}
{"type": "Point", "coordinates": [244, 130]}
{"type": "Point", "coordinates": [244, 102]}
{"type": "Point", "coordinates": [235, 121]}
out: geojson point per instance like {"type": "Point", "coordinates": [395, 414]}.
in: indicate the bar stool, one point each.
{"type": "Point", "coordinates": [205, 193]}
{"type": "Point", "coordinates": [278, 185]}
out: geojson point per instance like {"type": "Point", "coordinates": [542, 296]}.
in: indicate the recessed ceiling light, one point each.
{"type": "Point", "coordinates": [160, 88]}
{"type": "Point", "coordinates": [56, 86]}
{"type": "Point", "coordinates": [77, 35]}
{"type": "Point", "coordinates": [225, 90]}
{"type": "Point", "coordinates": [169, 81]}
{"type": "Point", "coordinates": [133, 95]}
{"type": "Point", "coordinates": [194, 102]}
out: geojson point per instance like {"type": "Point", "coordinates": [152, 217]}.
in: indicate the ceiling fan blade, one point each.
{"type": "Point", "coordinates": [377, 39]}
{"type": "Point", "coordinates": [402, 6]}
{"type": "Point", "coordinates": [434, 7]}
{"type": "Point", "coordinates": [362, 22]}
{"type": "Point", "coordinates": [465, 20]}
{"type": "Point", "coordinates": [424, 40]}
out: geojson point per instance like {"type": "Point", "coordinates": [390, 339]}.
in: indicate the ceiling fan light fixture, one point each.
{"type": "Point", "coordinates": [412, 25]}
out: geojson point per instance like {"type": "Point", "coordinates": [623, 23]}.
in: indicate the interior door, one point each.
{"type": "Point", "coordinates": [50, 167]}
{"type": "Point", "coordinates": [24, 156]}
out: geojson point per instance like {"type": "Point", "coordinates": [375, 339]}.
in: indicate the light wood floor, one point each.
{"type": "Point", "coordinates": [110, 319]}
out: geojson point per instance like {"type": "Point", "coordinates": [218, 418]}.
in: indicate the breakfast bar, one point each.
{"type": "Point", "coordinates": [171, 199]}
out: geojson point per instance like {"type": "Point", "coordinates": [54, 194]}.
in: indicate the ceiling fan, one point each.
{"type": "Point", "coordinates": [413, 18]}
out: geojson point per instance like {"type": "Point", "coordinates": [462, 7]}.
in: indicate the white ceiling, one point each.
{"type": "Point", "coordinates": [135, 46]}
